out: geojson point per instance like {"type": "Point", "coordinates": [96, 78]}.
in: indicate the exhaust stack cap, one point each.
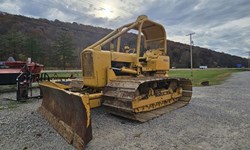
{"type": "Point", "coordinates": [142, 17]}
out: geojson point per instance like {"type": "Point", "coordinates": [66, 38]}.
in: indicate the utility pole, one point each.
{"type": "Point", "coordinates": [191, 52]}
{"type": "Point", "coordinates": [248, 60]}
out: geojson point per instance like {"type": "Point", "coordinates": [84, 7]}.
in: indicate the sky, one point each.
{"type": "Point", "coordinates": [220, 25]}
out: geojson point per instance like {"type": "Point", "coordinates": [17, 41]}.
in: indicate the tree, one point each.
{"type": "Point", "coordinates": [185, 59]}
{"type": "Point", "coordinates": [12, 44]}
{"type": "Point", "coordinates": [64, 49]}
{"type": "Point", "coordinates": [33, 49]}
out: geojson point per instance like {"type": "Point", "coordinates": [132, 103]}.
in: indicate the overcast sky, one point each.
{"type": "Point", "coordinates": [221, 25]}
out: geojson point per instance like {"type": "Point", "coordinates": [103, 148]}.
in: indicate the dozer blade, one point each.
{"type": "Point", "coordinates": [67, 112]}
{"type": "Point", "coordinates": [119, 98]}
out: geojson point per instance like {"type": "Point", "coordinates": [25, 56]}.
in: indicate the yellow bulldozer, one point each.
{"type": "Point", "coordinates": [129, 82]}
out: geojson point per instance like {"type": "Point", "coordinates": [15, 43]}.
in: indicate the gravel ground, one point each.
{"type": "Point", "coordinates": [218, 117]}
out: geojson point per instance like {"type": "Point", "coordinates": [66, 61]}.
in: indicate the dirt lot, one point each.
{"type": "Point", "coordinates": [218, 117]}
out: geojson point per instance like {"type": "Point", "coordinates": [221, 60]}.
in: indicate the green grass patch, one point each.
{"type": "Point", "coordinates": [214, 76]}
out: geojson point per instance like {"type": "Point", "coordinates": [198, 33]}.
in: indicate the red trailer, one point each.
{"type": "Point", "coordinates": [21, 73]}
{"type": "Point", "coordinates": [10, 70]}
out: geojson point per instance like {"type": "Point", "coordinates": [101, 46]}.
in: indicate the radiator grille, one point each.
{"type": "Point", "coordinates": [87, 60]}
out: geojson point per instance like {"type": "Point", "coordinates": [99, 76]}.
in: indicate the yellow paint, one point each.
{"type": "Point", "coordinates": [86, 104]}
{"type": "Point", "coordinates": [122, 57]}
{"type": "Point", "coordinates": [95, 60]}
{"type": "Point", "coordinates": [54, 85]}
{"type": "Point", "coordinates": [110, 75]}
{"type": "Point", "coordinates": [100, 62]}
{"type": "Point", "coordinates": [153, 99]}
{"type": "Point", "coordinates": [95, 95]}
{"type": "Point", "coordinates": [95, 100]}
{"type": "Point", "coordinates": [127, 70]}
{"type": "Point", "coordinates": [95, 103]}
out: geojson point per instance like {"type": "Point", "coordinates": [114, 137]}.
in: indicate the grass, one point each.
{"type": "Point", "coordinates": [214, 76]}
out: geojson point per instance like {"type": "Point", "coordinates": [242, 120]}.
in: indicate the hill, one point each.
{"type": "Point", "coordinates": [24, 37]}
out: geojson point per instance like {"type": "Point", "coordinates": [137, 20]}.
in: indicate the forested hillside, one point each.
{"type": "Point", "coordinates": [58, 44]}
